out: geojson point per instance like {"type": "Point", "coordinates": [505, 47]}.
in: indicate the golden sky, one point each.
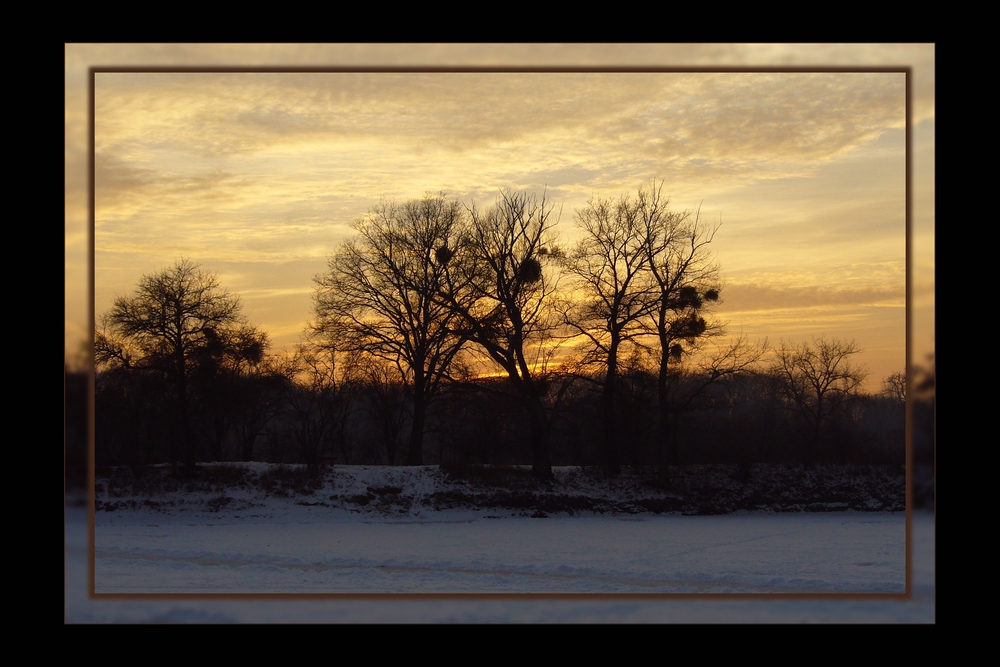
{"type": "Point", "coordinates": [257, 176]}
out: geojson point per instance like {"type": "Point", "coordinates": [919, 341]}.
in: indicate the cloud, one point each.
{"type": "Point", "coordinates": [759, 297]}
{"type": "Point", "coordinates": [754, 116]}
{"type": "Point", "coordinates": [772, 124]}
{"type": "Point", "coordinates": [115, 179]}
{"type": "Point", "coordinates": [272, 168]}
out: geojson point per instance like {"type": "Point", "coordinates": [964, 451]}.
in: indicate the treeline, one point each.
{"type": "Point", "coordinates": [365, 419]}
{"type": "Point", "coordinates": [458, 335]}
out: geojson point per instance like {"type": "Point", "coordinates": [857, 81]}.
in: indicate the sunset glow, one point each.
{"type": "Point", "coordinates": [257, 177]}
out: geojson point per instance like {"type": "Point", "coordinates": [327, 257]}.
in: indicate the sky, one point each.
{"type": "Point", "coordinates": [258, 176]}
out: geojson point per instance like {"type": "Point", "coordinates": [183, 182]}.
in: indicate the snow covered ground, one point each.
{"type": "Point", "coordinates": [319, 550]}
{"type": "Point", "coordinates": [285, 544]}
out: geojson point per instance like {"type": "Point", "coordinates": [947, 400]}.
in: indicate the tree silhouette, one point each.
{"type": "Point", "coordinates": [255, 402]}
{"type": "Point", "coordinates": [178, 322]}
{"type": "Point", "coordinates": [689, 384]}
{"type": "Point", "coordinates": [221, 370]}
{"type": "Point", "coordinates": [894, 387]}
{"type": "Point", "coordinates": [611, 265]}
{"type": "Point", "coordinates": [317, 401]}
{"type": "Point", "coordinates": [497, 284]}
{"type": "Point", "coordinates": [378, 297]}
{"type": "Point", "coordinates": [819, 382]}
{"type": "Point", "coordinates": [687, 286]}
{"type": "Point", "coordinates": [384, 398]}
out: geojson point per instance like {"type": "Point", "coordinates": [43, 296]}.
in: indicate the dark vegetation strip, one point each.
{"type": "Point", "coordinates": [695, 490]}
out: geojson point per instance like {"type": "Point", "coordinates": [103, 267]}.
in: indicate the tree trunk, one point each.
{"type": "Point", "coordinates": [541, 467]}
{"type": "Point", "coordinates": [415, 456]}
{"type": "Point", "coordinates": [246, 451]}
{"type": "Point", "coordinates": [188, 442]}
{"type": "Point", "coordinates": [611, 460]}
{"type": "Point", "coordinates": [218, 437]}
{"type": "Point", "coordinates": [674, 431]}
{"type": "Point", "coordinates": [391, 436]}
{"type": "Point", "coordinates": [187, 436]}
{"type": "Point", "coordinates": [663, 405]}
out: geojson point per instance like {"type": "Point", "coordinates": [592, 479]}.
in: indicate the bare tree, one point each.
{"type": "Point", "coordinates": [257, 402]}
{"type": "Point", "coordinates": [176, 319]}
{"type": "Point", "coordinates": [498, 285]}
{"type": "Point", "coordinates": [687, 286]}
{"type": "Point", "coordinates": [385, 404]}
{"type": "Point", "coordinates": [611, 267]}
{"type": "Point", "coordinates": [223, 368]}
{"type": "Point", "coordinates": [819, 381]}
{"type": "Point", "coordinates": [894, 387]}
{"type": "Point", "coordinates": [317, 401]}
{"type": "Point", "coordinates": [378, 297]}
{"type": "Point", "coordinates": [687, 384]}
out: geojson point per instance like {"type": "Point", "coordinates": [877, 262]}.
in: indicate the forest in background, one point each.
{"type": "Point", "coordinates": [456, 336]}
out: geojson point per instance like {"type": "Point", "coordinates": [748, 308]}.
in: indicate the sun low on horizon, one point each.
{"type": "Point", "coordinates": [257, 177]}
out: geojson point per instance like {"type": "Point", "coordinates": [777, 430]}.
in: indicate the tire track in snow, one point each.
{"type": "Point", "coordinates": [700, 586]}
